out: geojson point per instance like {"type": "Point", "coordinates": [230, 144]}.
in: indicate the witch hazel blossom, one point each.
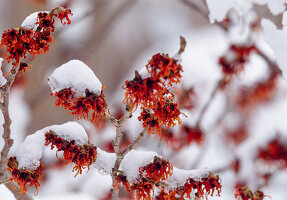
{"type": "Point", "coordinates": [78, 90]}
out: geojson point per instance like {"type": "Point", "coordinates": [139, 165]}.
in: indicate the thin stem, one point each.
{"type": "Point", "coordinates": [8, 142]}
{"type": "Point", "coordinates": [207, 104]}
{"type": "Point", "coordinates": [135, 142]}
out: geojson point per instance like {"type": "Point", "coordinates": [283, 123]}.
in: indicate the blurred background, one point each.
{"type": "Point", "coordinates": [115, 37]}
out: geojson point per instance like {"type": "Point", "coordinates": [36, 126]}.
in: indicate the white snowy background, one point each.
{"type": "Point", "coordinates": [205, 44]}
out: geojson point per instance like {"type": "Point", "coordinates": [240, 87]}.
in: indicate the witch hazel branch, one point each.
{"type": "Point", "coordinates": [144, 174]}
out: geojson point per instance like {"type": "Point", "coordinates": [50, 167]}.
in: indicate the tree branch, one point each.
{"type": "Point", "coordinates": [204, 12]}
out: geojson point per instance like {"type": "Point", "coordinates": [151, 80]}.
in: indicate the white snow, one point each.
{"type": "Point", "coordinates": [30, 152]}
{"type": "Point", "coordinates": [75, 75]}
{"type": "Point", "coordinates": [180, 176]}
{"type": "Point", "coordinates": [70, 131]}
{"type": "Point", "coordinates": [105, 161]}
{"type": "Point", "coordinates": [277, 39]}
{"type": "Point", "coordinates": [218, 9]}
{"type": "Point", "coordinates": [2, 78]}
{"type": "Point", "coordinates": [30, 21]}
{"type": "Point", "coordinates": [133, 161]}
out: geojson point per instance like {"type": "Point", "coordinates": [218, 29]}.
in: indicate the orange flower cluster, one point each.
{"type": "Point", "coordinates": [162, 67]}
{"type": "Point", "coordinates": [261, 92]}
{"type": "Point", "coordinates": [244, 193]}
{"type": "Point", "coordinates": [150, 175]}
{"type": "Point", "coordinates": [201, 189]}
{"type": "Point", "coordinates": [144, 91]}
{"type": "Point", "coordinates": [81, 155]}
{"type": "Point", "coordinates": [149, 122]}
{"type": "Point", "coordinates": [20, 41]}
{"type": "Point", "coordinates": [121, 179]}
{"type": "Point", "coordinates": [158, 170]}
{"type": "Point", "coordinates": [82, 106]}
{"type": "Point", "coordinates": [238, 135]}
{"type": "Point", "coordinates": [184, 137]}
{"type": "Point", "coordinates": [274, 151]}
{"type": "Point", "coordinates": [233, 63]}
{"type": "Point", "coordinates": [163, 113]}
{"type": "Point", "coordinates": [24, 177]}
{"type": "Point", "coordinates": [204, 187]}
{"type": "Point", "coordinates": [152, 93]}
{"type": "Point", "coordinates": [142, 190]}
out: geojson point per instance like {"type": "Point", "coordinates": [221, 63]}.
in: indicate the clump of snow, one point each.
{"type": "Point", "coordinates": [218, 9]}
{"type": "Point", "coordinates": [276, 38]}
{"type": "Point", "coordinates": [30, 21]}
{"type": "Point", "coordinates": [70, 131]}
{"type": "Point", "coordinates": [105, 161]}
{"type": "Point", "coordinates": [133, 161]}
{"type": "Point", "coordinates": [30, 151]}
{"type": "Point", "coordinates": [75, 75]}
{"type": "Point", "coordinates": [2, 79]}
{"type": "Point", "coordinates": [180, 176]}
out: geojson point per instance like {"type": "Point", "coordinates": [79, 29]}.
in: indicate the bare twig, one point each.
{"type": "Point", "coordinates": [16, 192]}
{"type": "Point", "coordinates": [4, 181]}
{"type": "Point", "coordinates": [135, 142]}
{"type": "Point", "coordinates": [8, 142]}
{"type": "Point", "coordinates": [207, 104]}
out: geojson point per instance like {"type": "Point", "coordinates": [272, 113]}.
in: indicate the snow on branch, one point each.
{"type": "Point", "coordinates": [145, 173]}
{"type": "Point", "coordinates": [77, 76]}
{"type": "Point", "coordinates": [78, 90]}
{"type": "Point", "coordinates": [218, 9]}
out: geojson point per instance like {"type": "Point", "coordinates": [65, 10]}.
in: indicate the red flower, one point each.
{"type": "Point", "coordinates": [261, 92]}
{"type": "Point", "coordinates": [20, 41]}
{"type": "Point", "coordinates": [142, 190]}
{"type": "Point", "coordinates": [244, 193]}
{"type": "Point", "coordinates": [24, 177]}
{"type": "Point", "coordinates": [158, 170]}
{"type": "Point", "coordinates": [161, 66]}
{"type": "Point", "coordinates": [149, 122]}
{"type": "Point", "coordinates": [233, 63]}
{"type": "Point", "coordinates": [144, 91]}
{"type": "Point", "coordinates": [204, 187]}
{"type": "Point", "coordinates": [64, 14]}
{"type": "Point", "coordinates": [191, 134]}
{"type": "Point", "coordinates": [121, 179]}
{"type": "Point", "coordinates": [275, 151]}
{"type": "Point", "coordinates": [46, 22]}
{"type": "Point", "coordinates": [81, 155]}
{"type": "Point", "coordinates": [166, 112]}
{"type": "Point", "coordinates": [82, 106]}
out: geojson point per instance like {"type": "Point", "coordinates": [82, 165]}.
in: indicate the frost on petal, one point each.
{"type": "Point", "coordinates": [105, 161]}
{"type": "Point", "coordinates": [75, 75]}
{"type": "Point", "coordinates": [133, 161]}
{"type": "Point", "coordinates": [70, 131]}
{"type": "Point", "coordinates": [30, 21]}
{"type": "Point", "coordinates": [277, 40]}
{"type": "Point", "coordinates": [2, 79]}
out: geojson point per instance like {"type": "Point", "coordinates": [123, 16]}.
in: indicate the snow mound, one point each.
{"type": "Point", "coordinates": [75, 75]}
